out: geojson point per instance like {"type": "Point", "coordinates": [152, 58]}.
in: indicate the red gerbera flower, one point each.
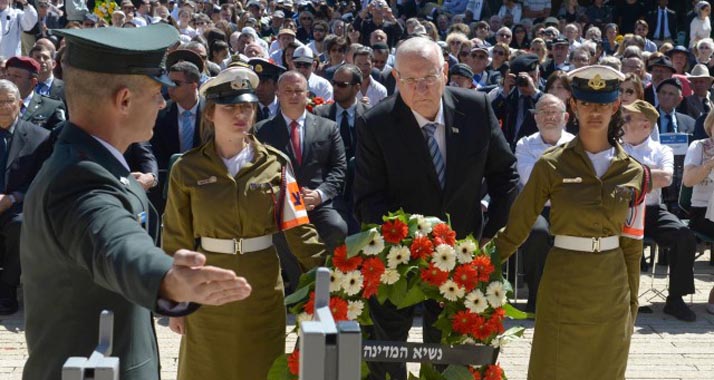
{"type": "Point", "coordinates": [475, 373]}
{"type": "Point", "coordinates": [434, 276]}
{"type": "Point", "coordinates": [484, 267]}
{"type": "Point", "coordinates": [498, 314]}
{"type": "Point", "coordinates": [394, 231]}
{"type": "Point", "coordinates": [494, 326]}
{"type": "Point", "coordinates": [466, 276]}
{"type": "Point", "coordinates": [421, 247]}
{"type": "Point", "coordinates": [370, 288]}
{"type": "Point", "coordinates": [372, 269]}
{"type": "Point", "coordinates": [494, 372]}
{"type": "Point", "coordinates": [464, 321]}
{"type": "Point", "coordinates": [481, 330]}
{"type": "Point", "coordinates": [338, 307]}
{"type": "Point", "coordinates": [294, 362]}
{"type": "Point", "coordinates": [443, 234]}
{"type": "Point", "coordinates": [309, 306]}
{"type": "Point", "coordinates": [339, 258]}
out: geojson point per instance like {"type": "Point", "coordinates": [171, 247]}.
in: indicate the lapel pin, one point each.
{"type": "Point", "coordinates": [211, 179]}
{"type": "Point", "coordinates": [572, 180]}
{"type": "Point", "coordinates": [124, 181]}
{"type": "Point", "coordinates": [454, 130]}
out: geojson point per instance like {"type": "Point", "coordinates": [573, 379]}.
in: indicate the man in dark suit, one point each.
{"type": "Point", "coordinates": [662, 22]}
{"type": "Point", "coordinates": [38, 109]}
{"type": "Point", "coordinates": [560, 48]}
{"type": "Point", "coordinates": [345, 111]}
{"type": "Point", "coordinates": [423, 151]}
{"type": "Point", "coordinates": [317, 153]}
{"type": "Point", "coordinates": [517, 98]}
{"type": "Point", "coordinates": [178, 125]}
{"type": "Point", "coordinates": [47, 84]}
{"type": "Point", "coordinates": [23, 149]}
{"type": "Point", "coordinates": [84, 247]}
{"type": "Point", "coordinates": [268, 73]}
{"type": "Point", "coordinates": [669, 93]}
{"type": "Point", "coordinates": [661, 68]}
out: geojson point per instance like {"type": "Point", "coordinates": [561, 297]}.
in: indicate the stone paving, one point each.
{"type": "Point", "coordinates": [662, 348]}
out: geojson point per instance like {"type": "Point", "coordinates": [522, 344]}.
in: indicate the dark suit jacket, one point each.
{"type": "Point", "coordinates": [548, 67]}
{"type": "Point", "coordinates": [83, 250]}
{"type": "Point", "coordinates": [28, 150]}
{"type": "Point", "coordinates": [507, 110]}
{"type": "Point", "coordinates": [685, 124]}
{"type": "Point", "coordinates": [323, 158]}
{"type": "Point", "coordinates": [395, 170]}
{"type": "Point", "coordinates": [329, 111]}
{"type": "Point", "coordinates": [45, 111]}
{"type": "Point", "coordinates": [165, 141]}
{"type": "Point", "coordinates": [141, 158]}
{"type": "Point", "coordinates": [653, 17]}
{"type": "Point", "coordinates": [57, 89]}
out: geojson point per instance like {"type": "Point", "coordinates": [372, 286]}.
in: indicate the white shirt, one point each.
{"type": "Point", "coordinates": [601, 161]}
{"type": "Point", "coordinates": [530, 148]}
{"type": "Point", "coordinates": [440, 133]}
{"type": "Point", "coordinates": [12, 23]}
{"type": "Point", "coordinates": [320, 86]}
{"type": "Point", "coordinates": [235, 163]}
{"type": "Point", "coordinates": [375, 92]}
{"type": "Point", "coordinates": [272, 107]}
{"type": "Point", "coordinates": [301, 131]}
{"type": "Point", "coordinates": [695, 156]}
{"type": "Point", "coordinates": [194, 111]}
{"type": "Point", "coordinates": [655, 156]}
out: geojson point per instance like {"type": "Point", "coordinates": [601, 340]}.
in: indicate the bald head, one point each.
{"type": "Point", "coordinates": [420, 48]}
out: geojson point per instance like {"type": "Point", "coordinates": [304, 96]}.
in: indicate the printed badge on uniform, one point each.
{"type": "Point", "coordinates": [293, 211]}
{"type": "Point", "coordinates": [211, 179]}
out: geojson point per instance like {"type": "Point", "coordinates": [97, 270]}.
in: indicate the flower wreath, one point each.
{"type": "Point", "coordinates": [407, 260]}
{"type": "Point", "coordinates": [104, 9]}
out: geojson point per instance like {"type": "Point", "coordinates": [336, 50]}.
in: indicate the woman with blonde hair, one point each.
{"type": "Point", "coordinates": [631, 89]}
{"type": "Point", "coordinates": [539, 48]}
{"type": "Point", "coordinates": [227, 198]}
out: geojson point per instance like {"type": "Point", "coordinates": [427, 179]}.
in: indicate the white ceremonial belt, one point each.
{"type": "Point", "coordinates": [236, 246]}
{"type": "Point", "coordinates": [585, 244]}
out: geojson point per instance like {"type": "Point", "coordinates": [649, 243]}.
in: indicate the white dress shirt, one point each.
{"type": "Point", "coordinates": [696, 155]}
{"type": "Point", "coordinates": [530, 148]}
{"type": "Point", "coordinates": [272, 107]}
{"type": "Point", "coordinates": [12, 23]}
{"type": "Point", "coordinates": [375, 92]}
{"type": "Point", "coordinates": [235, 163]}
{"type": "Point", "coordinates": [655, 156]}
{"type": "Point", "coordinates": [440, 133]}
{"type": "Point", "coordinates": [301, 131]}
{"type": "Point", "coordinates": [320, 86]}
{"type": "Point", "coordinates": [601, 161]}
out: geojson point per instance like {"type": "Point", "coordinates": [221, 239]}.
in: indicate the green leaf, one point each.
{"type": "Point", "coordinates": [443, 324]}
{"type": "Point", "coordinates": [364, 370]}
{"type": "Point", "coordinates": [307, 278]}
{"type": "Point", "coordinates": [513, 313]}
{"type": "Point", "coordinates": [382, 294]}
{"type": "Point", "coordinates": [279, 369]}
{"type": "Point", "coordinates": [298, 295]}
{"type": "Point", "coordinates": [457, 372]}
{"type": "Point", "coordinates": [490, 250]}
{"type": "Point", "coordinates": [356, 242]}
{"type": "Point", "coordinates": [429, 372]}
{"type": "Point", "coordinates": [398, 290]}
{"type": "Point", "coordinates": [412, 376]}
{"type": "Point", "coordinates": [413, 297]}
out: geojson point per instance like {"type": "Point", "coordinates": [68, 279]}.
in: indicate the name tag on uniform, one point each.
{"type": "Point", "coordinates": [260, 186]}
{"type": "Point", "coordinates": [211, 179]}
{"type": "Point", "coordinates": [572, 180]}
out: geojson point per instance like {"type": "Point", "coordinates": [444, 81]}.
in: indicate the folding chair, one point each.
{"type": "Point", "coordinates": [685, 204]}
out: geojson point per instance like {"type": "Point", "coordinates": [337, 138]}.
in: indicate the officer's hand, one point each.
{"type": "Point", "coordinates": [190, 281]}
{"type": "Point", "coordinates": [176, 324]}
{"type": "Point", "coordinates": [312, 198]}
{"type": "Point", "coordinates": [146, 180]}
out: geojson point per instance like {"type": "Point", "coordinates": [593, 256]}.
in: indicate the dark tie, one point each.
{"type": "Point", "coordinates": [670, 123]}
{"type": "Point", "coordinates": [435, 153]}
{"type": "Point", "coordinates": [295, 141]}
{"type": "Point", "coordinates": [525, 110]}
{"type": "Point", "coordinates": [4, 144]}
{"type": "Point", "coordinates": [345, 131]}
{"type": "Point", "coordinates": [266, 113]}
{"type": "Point", "coordinates": [705, 106]}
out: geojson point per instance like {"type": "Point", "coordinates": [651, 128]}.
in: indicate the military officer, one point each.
{"type": "Point", "coordinates": [587, 300]}
{"type": "Point", "coordinates": [268, 74]}
{"type": "Point", "coordinates": [83, 245]}
{"type": "Point", "coordinates": [38, 109]}
{"type": "Point", "coordinates": [231, 196]}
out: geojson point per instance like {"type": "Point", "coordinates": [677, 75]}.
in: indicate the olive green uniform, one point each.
{"type": "Point", "coordinates": [587, 302]}
{"type": "Point", "coordinates": [239, 340]}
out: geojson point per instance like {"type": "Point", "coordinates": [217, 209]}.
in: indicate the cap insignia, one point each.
{"type": "Point", "coordinates": [240, 84]}
{"type": "Point", "coordinates": [596, 83]}
{"type": "Point", "coordinates": [259, 68]}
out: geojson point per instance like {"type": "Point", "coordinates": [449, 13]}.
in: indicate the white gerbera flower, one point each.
{"type": "Point", "coordinates": [354, 309]}
{"type": "Point", "coordinates": [476, 302]}
{"type": "Point", "coordinates": [465, 251]}
{"type": "Point", "coordinates": [336, 278]}
{"type": "Point", "coordinates": [451, 290]}
{"type": "Point", "coordinates": [423, 225]}
{"type": "Point", "coordinates": [444, 257]}
{"type": "Point", "coordinates": [495, 294]}
{"type": "Point", "coordinates": [352, 282]}
{"type": "Point", "coordinates": [375, 246]}
{"type": "Point", "coordinates": [390, 276]}
{"type": "Point", "coordinates": [398, 254]}
{"type": "Point", "coordinates": [303, 317]}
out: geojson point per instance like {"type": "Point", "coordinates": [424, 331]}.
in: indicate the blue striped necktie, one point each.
{"type": "Point", "coordinates": [187, 131]}
{"type": "Point", "coordinates": [436, 158]}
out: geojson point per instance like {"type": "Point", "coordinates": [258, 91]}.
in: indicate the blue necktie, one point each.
{"type": "Point", "coordinates": [42, 89]}
{"type": "Point", "coordinates": [187, 129]}
{"type": "Point", "coordinates": [670, 124]}
{"type": "Point", "coordinates": [435, 153]}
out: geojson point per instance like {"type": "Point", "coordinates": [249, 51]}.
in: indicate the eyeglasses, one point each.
{"type": "Point", "coordinates": [549, 113]}
{"type": "Point", "coordinates": [479, 56]}
{"type": "Point", "coordinates": [628, 91]}
{"type": "Point", "coordinates": [504, 35]}
{"type": "Point", "coordinates": [499, 52]}
{"type": "Point", "coordinates": [342, 84]}
{"type": "Point", "coordinates": [429, 80]}
{"type": "Point", "coordinates": [301, 65]}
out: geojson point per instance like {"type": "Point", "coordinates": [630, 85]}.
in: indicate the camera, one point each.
{"type": "Point", "coordinates": [521, 82]}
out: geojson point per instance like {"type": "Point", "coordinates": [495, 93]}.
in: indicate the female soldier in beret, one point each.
{"type": "Point", "coordinates": [228, 197]}
{"type": "Point", "coordinates": [587, 299]}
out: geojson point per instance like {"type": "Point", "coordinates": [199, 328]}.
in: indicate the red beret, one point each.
{"type": "Point", "coordinates": [25, 63]}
